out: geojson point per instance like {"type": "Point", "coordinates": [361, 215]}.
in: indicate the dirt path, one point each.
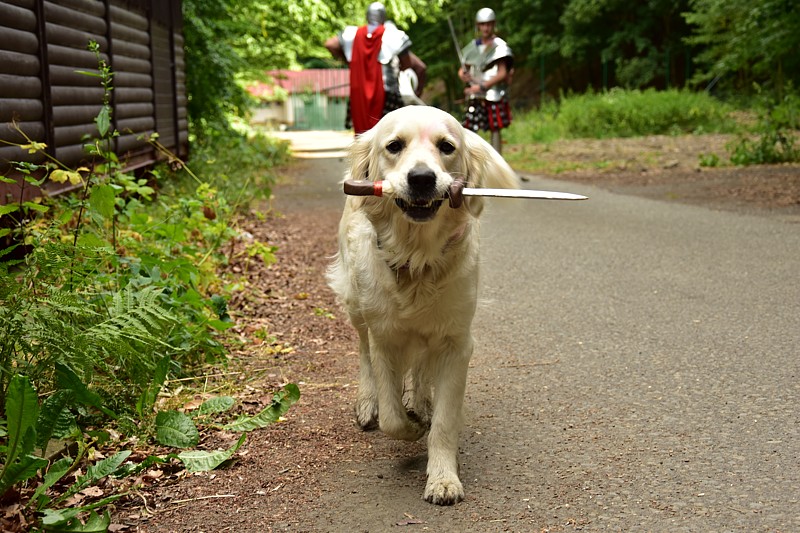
{"type": "Point", "coordinates": [292, 331]}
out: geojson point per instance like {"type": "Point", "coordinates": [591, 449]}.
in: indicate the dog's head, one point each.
{"type": "Point", "coordinates": [420, 151]}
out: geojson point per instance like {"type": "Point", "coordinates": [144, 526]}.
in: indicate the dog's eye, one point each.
{"type": "Point", "coordinates": [446, 147]}
{"type": "Point", "coordinates": [395, 146]}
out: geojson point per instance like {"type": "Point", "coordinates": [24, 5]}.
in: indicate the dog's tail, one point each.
{"type": "Point", "coordinates": [486, 167]}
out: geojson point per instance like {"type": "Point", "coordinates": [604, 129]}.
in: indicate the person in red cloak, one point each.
{"type": "Point", "coordinates": [376, 53]}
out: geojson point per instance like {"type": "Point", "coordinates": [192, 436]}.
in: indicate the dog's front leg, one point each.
{"type": "Point", "coordinates": [450, 381]}
{"type": "Point", "coordinates": [389, 368]}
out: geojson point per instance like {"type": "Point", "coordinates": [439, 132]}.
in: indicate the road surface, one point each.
{"type": "Point", "coordinates": [636, 369]}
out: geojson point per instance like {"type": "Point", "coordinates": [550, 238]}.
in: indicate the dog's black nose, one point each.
{"type": "Point", "coordinates": [422, 181]}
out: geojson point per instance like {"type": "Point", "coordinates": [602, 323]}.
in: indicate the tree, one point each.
{"type": "Point", "coordinates": [640, 39]}
{"type": "Point", "coordinates": [753, 40]}
{"type": "Point", "coordinates": [230, 42]}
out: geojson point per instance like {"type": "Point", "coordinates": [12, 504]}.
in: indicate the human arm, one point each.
{"type": "Point", "coordinates": [334, 46]}
{"type": "Point", "coordinates": [410, 60]}
{"type": "Point", "coordinates": [503, 74]}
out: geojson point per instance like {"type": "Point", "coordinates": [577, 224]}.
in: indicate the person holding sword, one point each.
{"type": "Point", "coordinates": [487, 67]}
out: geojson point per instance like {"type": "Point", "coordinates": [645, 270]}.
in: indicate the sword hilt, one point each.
{"type": "Point", "coordinates": [378, 188]}
{"type": "Point", "coordinates": [364, 188]}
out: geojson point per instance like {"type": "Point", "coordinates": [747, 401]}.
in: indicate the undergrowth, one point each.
{"type": "Point", "coordinates": [622, 113]}
{"type": "Point", "coordinates": [775, 133]}
{"type": "Point", "coordinates": [635, 113]}
{"type": "Point", "coordinates": [105, 296]}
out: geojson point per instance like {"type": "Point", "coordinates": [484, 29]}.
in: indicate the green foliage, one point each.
{"type": "Point", "coordinates": [68, 521]}
{"type": "Point", "coordinates": [117, 291]}
{"type": "Point", "coordinates": [746, 41]}
{"type": "Point", "coordinates": [178, 430]}
{"type": "Point", "coordinates": [280, 404]}
{"type": "Point", "coordinates": [228, 42]}
{"type": "Point", "coordinates": [709, 160]}
{"type": "Point", "coordinates": [21, 464]}
{"type": "Point", "coordinates": [633, 113]}
{"type": "Point", "coordinates": [774, 138]}
{"type": "Point", "coordinates": [619, 113]}
{"type": "Point", "coordinates": [636, 38]}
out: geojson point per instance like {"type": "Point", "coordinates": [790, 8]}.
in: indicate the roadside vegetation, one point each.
{"type": "Point", "coordinates": [763, 133]}
{"type": "Point", "coordinates": [110, 299]}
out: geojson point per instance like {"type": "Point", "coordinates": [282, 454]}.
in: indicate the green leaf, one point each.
{"type": "Point", "coordinates": [130, 469]}
{"type": "Point", "coordinates": [202, 461]}
{"type": "Point", "coordinates": [22, 469]}
{"type": "Point", "coordinates": [54, 416]}
{"type": "Point", "coordinates": [22, 409]}
{"type": "Point", "coordinates": [8, 208]}
{"type": "Point", "coordinates": [91, 240]}
{"type": "Point", "coordinates": [280, 404]}
{"type": "Point", "coordinates": [36, 207]}
{"type": "Point", "coordinates": [56, 471]}
{"type": "Point", "coordinates": [67, 521]}
{"type": "Point", "coordinates": [176, 429]}
{"type": "Point", "coordinates": [149, 395]}
{"type": "Point", "coordinates": [106, 467]}
{"type": "Point", "coordinates": [101, 200]}
{"type": "Point", "coordinates": [218, 404]}
{"type": "Point", "coordinates": [95, 473]}
{"type": "Point", "coordinates": [220, 325]}
{"type": "Point", "coordinates": [103, 121]}
{"type": "Point", "coordinates": [67, 379]}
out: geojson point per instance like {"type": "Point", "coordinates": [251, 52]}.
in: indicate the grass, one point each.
{"type": "Point", "coordinates": [619, 113]}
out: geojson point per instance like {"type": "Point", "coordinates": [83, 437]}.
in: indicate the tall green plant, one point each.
{"type": "Point", "coordinates": [776, 133]}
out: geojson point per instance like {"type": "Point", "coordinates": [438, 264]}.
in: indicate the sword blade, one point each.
{"type": "Point", "coordinates": [522, 193]}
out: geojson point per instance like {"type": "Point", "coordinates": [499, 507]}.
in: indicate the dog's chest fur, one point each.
{"type": "Point", "coordinates": [431, 289]}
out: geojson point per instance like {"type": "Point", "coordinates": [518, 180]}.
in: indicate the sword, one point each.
{"type": "Point", "coordinates": [457, 191]}
{"type": "Point", "coordinates": [455, 42]}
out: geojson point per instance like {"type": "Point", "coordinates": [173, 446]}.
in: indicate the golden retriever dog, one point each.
{"type": "Point", "coordinates": [407, 274]}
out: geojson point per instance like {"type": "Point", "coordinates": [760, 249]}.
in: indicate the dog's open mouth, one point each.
{"type": "Point", "coordinates": [419, 211]}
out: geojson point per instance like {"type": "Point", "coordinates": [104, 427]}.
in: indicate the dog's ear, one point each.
{"type": "Point", "coordinates": [361, 156]}
{"type": "Point", "coordinates": [484, 166]}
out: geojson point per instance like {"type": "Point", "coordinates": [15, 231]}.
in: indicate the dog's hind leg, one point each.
{"type": "Point", "coordinates": [367, 401]}
{"type": "Point", "coordinates": [389, 371]}
{"type": "Point", "coordinates": [421, 403]}
{"type": "Point", "coordinates": [450, 381]}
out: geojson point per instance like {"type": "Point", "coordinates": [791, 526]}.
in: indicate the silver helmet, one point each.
{"type": "Point", "coordinates": [376, 14]}
{"type": "Point", "coordinates": [484, 15]}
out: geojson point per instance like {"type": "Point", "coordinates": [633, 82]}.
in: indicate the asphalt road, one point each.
{"type": "Point", "coordinates": [636, 370]}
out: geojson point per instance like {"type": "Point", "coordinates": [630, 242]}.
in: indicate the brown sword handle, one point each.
{"type": "Point", "coordinates": [363, 188]}
{"type": "Point", "coordinates": [456, 196]}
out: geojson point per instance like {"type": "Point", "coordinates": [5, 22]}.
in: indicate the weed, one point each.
{"type": "Point", "coordinates": [775, 133]}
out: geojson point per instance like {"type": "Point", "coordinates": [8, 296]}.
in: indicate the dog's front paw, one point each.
{"type": "Point", "coordinates": [444, 490]}
{"type": "Point", "coordinates": [367, 413]}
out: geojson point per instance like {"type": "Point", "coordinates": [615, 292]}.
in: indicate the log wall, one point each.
{"type": "Point", "coordinates": [44, 48]}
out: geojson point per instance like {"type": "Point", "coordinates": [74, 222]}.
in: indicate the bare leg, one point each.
{"type": "Point", "coordinates": [497, 143]}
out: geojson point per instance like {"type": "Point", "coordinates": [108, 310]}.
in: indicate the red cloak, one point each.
{"type": "Point", "coordinates": [366, 80]}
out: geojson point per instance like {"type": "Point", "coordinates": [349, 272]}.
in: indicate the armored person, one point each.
{"type": "Point", "coordinates": [487, 67]}
{"type": "Point", "coordinates": [376, 53]}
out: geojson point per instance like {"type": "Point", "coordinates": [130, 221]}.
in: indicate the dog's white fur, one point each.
{"type": "Point", "coordinates": [410, 286]}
